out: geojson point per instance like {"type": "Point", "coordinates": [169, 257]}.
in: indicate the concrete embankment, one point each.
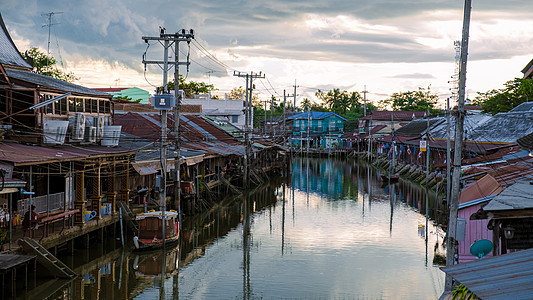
{"type": "Point", "coordinates": [433, 180]}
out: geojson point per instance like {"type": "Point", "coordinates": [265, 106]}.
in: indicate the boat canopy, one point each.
{"type": "Point", "coordinates": [157, 214]}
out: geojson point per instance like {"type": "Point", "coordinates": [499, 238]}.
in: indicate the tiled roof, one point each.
{"type": "Point", "coordinates": [9, 54]}
{"type": "Point", "coordinates": [54, 84]}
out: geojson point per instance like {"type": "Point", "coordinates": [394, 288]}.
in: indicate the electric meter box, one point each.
{"type": "Point", "coordinates": [164, 102]}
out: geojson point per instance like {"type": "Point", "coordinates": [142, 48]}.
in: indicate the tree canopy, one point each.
{"type": "Point", "coordinates": [419, 100]}
{"type": "Point", "coordinates": [46, 65]}
{"type": "Point", "coordinates": [339, 102]}
{"type": "Point", "coordinates": [515, 92]}
{"type": "Point", "coordinates": [191, 88]}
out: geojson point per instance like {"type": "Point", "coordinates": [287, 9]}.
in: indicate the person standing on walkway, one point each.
{"type": "Point", "coordinates": [30, 220]}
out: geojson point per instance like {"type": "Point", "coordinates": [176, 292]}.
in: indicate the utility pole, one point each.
{"type": "Point", "coordinates": [295, 86]}
{"type": "Point", "coordinates": [247, 119]}
{"type": "Point", "coordinates": [284, 104]}
{"type": "Point", "coordinates": [272, 118]}
{"type": "Point", "coordinates": [364, 100]}
{"type": "Point", "coordinates": [454, 201]}
{"type": "Point", "coordinates": [170, 39]}
{"type": "Point", "coordinates": [448, 153]}
{"type": "Point", "coordinates": [427, 143]}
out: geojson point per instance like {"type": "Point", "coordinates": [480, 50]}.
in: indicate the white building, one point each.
{"type": "Point", "coordinates": [232, 110]}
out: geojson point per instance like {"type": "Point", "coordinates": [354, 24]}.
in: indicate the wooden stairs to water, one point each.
{"type": "Point", "coordinates": [129, 216]}
{"type": "Point", "coordinates": [44, 257]}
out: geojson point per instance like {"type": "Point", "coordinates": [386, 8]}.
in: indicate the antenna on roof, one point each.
{"type": "Point", "coordinates": [49, 25]}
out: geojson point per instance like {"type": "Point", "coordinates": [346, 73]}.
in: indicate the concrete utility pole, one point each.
{"type": "Point", "coordinates": [454, 201]}
{"type": "Point", "coordinates": [448, 153]}
{"type": "Point", "coordinates": [427, 143]}
{"type": "Point", "coordinates": [295, 86]}
{"type": "Point", "coordinates": [247, 119]}
{"type": "Point", "coordinates": [284, 131]}
{"type": "Point", "coordinates": [170, 39]}
{"type": "Point", "coordinates": [364, 100]}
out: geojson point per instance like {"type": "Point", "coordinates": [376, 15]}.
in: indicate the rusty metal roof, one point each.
{"type": "Point", "coordinates": [509, 276]}
{"type": "Point", "coordinates": [192, 128]}
{"type": "Point", "coordinates": [20, 154]}
{"type": "Point", "coordinates": [484, 187]}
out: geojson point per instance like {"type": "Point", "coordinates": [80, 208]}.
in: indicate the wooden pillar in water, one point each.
{"type": "Point", "coordinates": [96, 197]}
{"type": "Point", "coordinates": [79, 202]}
{"type": "Point", "coordinates": [111, 195]}
{"type": "Point", "coordinates": [124, 191]}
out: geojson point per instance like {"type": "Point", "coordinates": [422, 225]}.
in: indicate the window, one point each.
{"type": "Point", "coordinates": [234, 119]}
{"type": "Point", "coordinates": [107, 109]}
{"type": "Point", "coordinates": [79, 104]}
{"type": "Point", "coordinates": [94, 105]}
{"type": "Point", "coordinates": [63, 107]}
{"type": "Point", "coordinates": [71, 104]}
{"type": "Point", "coordinates": [87, 105]}
{"type": "Point", "coordinates": [101, 106]}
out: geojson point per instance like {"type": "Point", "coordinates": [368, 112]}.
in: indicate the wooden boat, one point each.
{"type": "Point", "coordinates": [392, 178]}
{"type": "Point", "coordinates": [150, 234]}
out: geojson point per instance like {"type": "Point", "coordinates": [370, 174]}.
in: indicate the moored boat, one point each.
{"type": "Point", "coordinates": [392, 178]}
{"type": "Point", "coordinates": [150, 235]}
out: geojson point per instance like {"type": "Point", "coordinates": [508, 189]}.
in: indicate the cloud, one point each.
{"type": "Point", "coordinates": [414, 76]}
{"type": "Point", "coordinates": [292, 33]}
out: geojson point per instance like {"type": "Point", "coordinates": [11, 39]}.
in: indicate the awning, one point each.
{"type": "Point", "coordinates": [153, 166]}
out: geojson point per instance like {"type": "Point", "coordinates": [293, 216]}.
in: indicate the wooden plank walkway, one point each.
{"type": "Point", "coordinates": [56, 266]}
{"type": "Point", "coordinates": [9, 263]}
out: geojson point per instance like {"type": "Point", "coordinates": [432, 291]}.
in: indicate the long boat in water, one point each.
{"type": "Point", "coordinates": [150, 235]}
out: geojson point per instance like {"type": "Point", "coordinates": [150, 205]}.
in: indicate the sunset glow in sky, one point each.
{"type": "Point", "coordinates": [389, 46]}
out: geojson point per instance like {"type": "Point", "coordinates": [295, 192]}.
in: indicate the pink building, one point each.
{"type": "Point", "coordinates": [471, 199]}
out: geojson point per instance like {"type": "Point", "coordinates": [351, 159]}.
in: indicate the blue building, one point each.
{"type": "Point", "coordinates": [317, 129]}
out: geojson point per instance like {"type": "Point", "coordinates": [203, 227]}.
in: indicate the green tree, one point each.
{"type": "Point", "coordinates": [46, 65]}
{"type": "Point", "coordinates": [419, 100]}
{"type": "Point", "coordinates": [191, 88]}
{"type": "Point", "coordinates": [339, 102]}
{"type": "Point", "coordinates": [514, 93]}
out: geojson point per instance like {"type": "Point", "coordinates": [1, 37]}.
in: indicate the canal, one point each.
{"type": "Point", "coordinates": [330, 231]}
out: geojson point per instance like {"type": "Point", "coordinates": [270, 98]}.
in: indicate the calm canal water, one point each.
{"type": "Point", "coordinates": [332, 232]}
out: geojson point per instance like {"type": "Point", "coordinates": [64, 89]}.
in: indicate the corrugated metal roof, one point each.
{"type": "Point", "coordinates": [315, 115]}
{"type": "Point", "coordinates": [526, 142]}
{"type": "Point", "coordinates": [509, 276]}
{"type": "Point", "coordinates": [20, 154]}
{"type": "Point", "coordinates": [523, 107]}
{"type": "Point", "coordinates": [486, 186]}
{"type": "Point", "coordinates": [197, 127]}
{"type": "Point", "coordinates": [398, 115]}
{"type": "Point", "coordinates": [475, 202]}
{"type": "Point", "coordinates": [471, 122]}
{"type": "Point", "coordinates": [417, 127]}
{"type": "Point", "coordinates": [517, 196]}
{"type": "Point", "coordinates": [52, 83]}
{"type": "Point", "coordinates": [504, 127]}
{"type": "Point", "coordinates": [9, 54]}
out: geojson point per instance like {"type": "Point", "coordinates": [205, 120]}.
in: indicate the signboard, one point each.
{"type": "Point", "coordinates": [164, 102]}
{"type": "Point", "coordinates": [422, 145]}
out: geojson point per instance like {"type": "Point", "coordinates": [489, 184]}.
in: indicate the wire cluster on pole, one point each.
{"type": "Point", "coordinates": [248, 117]}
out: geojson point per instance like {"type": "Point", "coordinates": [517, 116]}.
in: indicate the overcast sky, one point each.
{"type": "Point", "coordinates": [389, 46]}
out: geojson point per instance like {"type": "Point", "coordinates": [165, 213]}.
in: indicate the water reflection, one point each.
{"type": "Point", "coordinates": [347, 236]}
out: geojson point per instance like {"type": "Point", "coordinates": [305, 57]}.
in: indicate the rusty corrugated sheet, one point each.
{"type": "Point", "coordinates": [20, 154]}
{"type": "Point", "coordinates": [509, 276]}
{"type": "Point", "coordinates": [484, 187]}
